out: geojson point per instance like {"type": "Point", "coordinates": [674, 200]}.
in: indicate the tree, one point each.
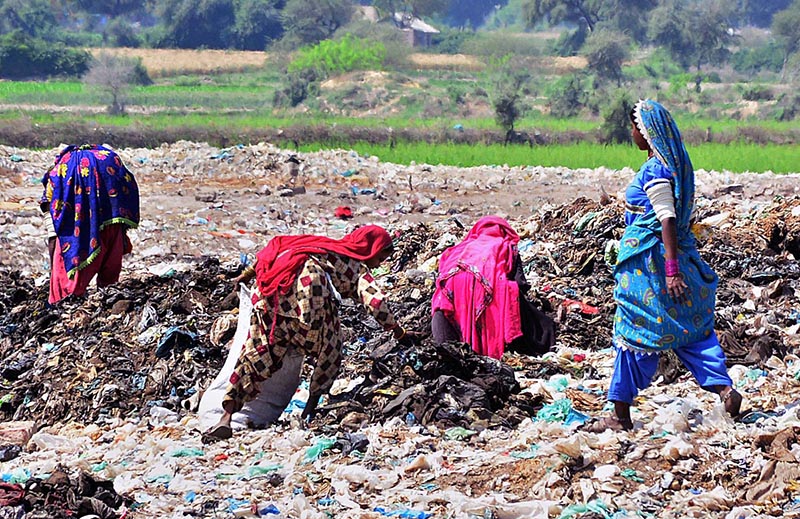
{"type": "Point", "coordinates": [23, 57]}
{"type": "Point", "coordinates": [616, 126]}
{"type": "Point", "coordinates": [307, 22]}
{"type": "Point", "coordinates": [258, 22]}
{"type": "Point", "coordinates": [191, 24]}
{"type": "Point", "coordinates": [694, 33]}
{"type": "Point", "coordinates": [33, 17]}
{"type": "Point", "coordinates": [605, 52]}
{"type": "Point", "coordinates": [584, 13]}
{"type": "Point", "coordinates": [508, 81]}
{"type": "Point", "coordinates": [786, 28]}
{"type": "Point", "coordinates": [112, 8]}
{"type": "Point", "coordinates": [627, 16]}
{"type": "Point", "coordinates": [114, 76]}
{"type": "Point", "coordinates": [418, 8]}
{"type": "Point", "coordinates": [759, 12]}
{"type": "Point", "coordinates": [471, 13]}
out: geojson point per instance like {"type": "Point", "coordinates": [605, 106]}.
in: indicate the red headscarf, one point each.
{"type": "Point", "coordinates": [281, 260]}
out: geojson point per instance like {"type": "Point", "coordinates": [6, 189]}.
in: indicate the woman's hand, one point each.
{"type": "Point", "coordinates": [677, 288]}
{"type": "Point", "coordinates": [406, 337]}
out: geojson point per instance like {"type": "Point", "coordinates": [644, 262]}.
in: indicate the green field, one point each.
{"type": "Point", "coordinates": [239, 106]}
{"type": "Point", "coordinates": [737, 158]}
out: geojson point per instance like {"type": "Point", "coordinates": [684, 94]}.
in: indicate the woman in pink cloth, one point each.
{"type": "Point", "coordinates": [480, 295]}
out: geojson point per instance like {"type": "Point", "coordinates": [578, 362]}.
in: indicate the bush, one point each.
{"type": "Point", "coordinates": [299, 86]}
{"type": "Point", "coordinates": [451, 41]}
{"type": "Point", "coordinates": [757, 93]}
{"type": "Point", "coordinates": [568, 97]}
{"type": "Point", "coordinates": [394, 42]}
{"type": "Point", "coordinates": [570, 42]}
{"type": "Point", "coordinates": [22, 56]}
{"type": "Point", "coordinates": [335, 57]}
{"type": "Point", "coordinates": [140, 75]}
{"type": "Point", "coordinates": [616, 126]}
{"type": "Point", "coordinates": [120, 33]}
{"type": "Point", "coordinates": [753, 60]}
{"type": "Point", "coordinates": [788, 107]}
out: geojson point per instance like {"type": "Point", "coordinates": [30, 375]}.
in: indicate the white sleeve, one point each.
{"type": "Point", "coordinates": [659, 191]}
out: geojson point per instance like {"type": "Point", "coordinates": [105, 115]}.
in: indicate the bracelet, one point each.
{"type": "Point", "coordinates": [401, 335]}
{"type": "Point", "coordinates": [671, 266]}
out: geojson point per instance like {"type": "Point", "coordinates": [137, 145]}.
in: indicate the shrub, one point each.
{"type": "Point", "coordinates": [568, 97]}
{"type": "Point", "coordinates": [335, 57]}
{"type": "Point", "coordinates": [121, 33]}
{"type": "Point", "coordinates": [753, 60]}
{"type": "Point", "coordinates": [394, 42]}
{"type": "Point", "coordinates": [757, 93]}
{"type": "Point", "coordinates": [788, 107]}
{"type": "Point", "coordinates": [22, 56]}
{"type": "Point", "coordinates": [451, 41]}
{"type": "Point", "coordinates": [299, 86]}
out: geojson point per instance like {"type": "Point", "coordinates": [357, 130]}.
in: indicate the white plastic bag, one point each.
{"type": "Point", "coordinates": [275, 392]}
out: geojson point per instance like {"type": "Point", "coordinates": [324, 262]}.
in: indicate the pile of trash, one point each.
{"type": "Point", "coordinates": [118, 351]}
{"type": "Point", "coordinates": [97, 395]}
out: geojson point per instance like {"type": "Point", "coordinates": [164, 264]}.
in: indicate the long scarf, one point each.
{"type": "Point", "coordinates": [487, 309]}
{"type": "Point", "coordinates": [88, 188]}
{"type": "Point", "coordinates": [659, 129]}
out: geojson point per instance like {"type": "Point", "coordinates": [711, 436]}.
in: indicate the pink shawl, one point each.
{"type": "Point", "coordinates": [473, 289]}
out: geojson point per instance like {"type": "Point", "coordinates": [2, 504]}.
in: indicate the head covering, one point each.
{"type": "Point", "coordinates": [280, 261]}
{"type": "Point", "coordinates": [660, 131]}
{"type": "Point", "coordinates": [484, 302]}
{"type": "Point", "coordinates": [658, 128]}
{"type": "Point", "coordinates": [88, 188]}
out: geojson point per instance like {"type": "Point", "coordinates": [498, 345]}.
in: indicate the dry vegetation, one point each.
{"type": "Point", "coordinates": [171, 62]}
{"type": "Point", "coordinates": [460, 62]}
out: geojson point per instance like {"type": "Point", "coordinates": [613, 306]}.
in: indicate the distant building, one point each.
{"type": "Point", "coordinates": [418, 33]}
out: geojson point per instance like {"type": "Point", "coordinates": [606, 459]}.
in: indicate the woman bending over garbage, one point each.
{"type": "Point", "coordinates": [480, 295]}
{"type": "Point", "coordinates": [665, 293]}
{"type": "Point", "coordinates": [93, 200]}
{"type": "Point", "coordinates": [300, 281]}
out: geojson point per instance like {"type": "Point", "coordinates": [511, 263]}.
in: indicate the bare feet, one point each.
{"type": "Point", "coordinates": [732, 400]}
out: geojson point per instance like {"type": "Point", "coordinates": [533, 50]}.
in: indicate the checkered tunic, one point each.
{"type": "Point", "coordinates": [308, 320]}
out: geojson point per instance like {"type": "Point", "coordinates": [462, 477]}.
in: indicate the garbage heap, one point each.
{"type": "Point", "coordinates": [443, 430]}
{"type": "Point", "coordinates": [141, 343]}
{"type": "Point", "coordinates": [147, 341]}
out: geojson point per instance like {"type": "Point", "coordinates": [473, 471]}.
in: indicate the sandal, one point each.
{"type": "Point", "coordinates": [753, 415]}
{"type": "Point", "coordinates": [217, 433]}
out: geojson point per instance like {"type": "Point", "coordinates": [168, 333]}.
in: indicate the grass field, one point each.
{"type": "Point", "coordinates": [736, 158]}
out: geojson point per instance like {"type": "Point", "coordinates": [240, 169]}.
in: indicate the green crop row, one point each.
{"type": "Point", "coordinates": [736, 158]}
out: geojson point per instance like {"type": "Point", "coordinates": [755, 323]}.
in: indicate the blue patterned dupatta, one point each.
{"type": "Point", "coordinates": [646, 318]}
{"type": "Point", "coordinates": [88, 188]}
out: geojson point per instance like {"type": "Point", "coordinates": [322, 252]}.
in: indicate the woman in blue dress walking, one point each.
{"type": "Point", "coordinates": [665, 293]}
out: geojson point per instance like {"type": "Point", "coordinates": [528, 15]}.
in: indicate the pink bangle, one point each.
{"type": "Point", "coordinates": [672, 267]}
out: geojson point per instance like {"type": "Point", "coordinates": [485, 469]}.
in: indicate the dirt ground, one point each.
{"type": "Point", "coordinates": [198, 200]}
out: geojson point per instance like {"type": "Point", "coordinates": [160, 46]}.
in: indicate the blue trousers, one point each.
{"type": "Point", "coordinates": [634, 370]}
